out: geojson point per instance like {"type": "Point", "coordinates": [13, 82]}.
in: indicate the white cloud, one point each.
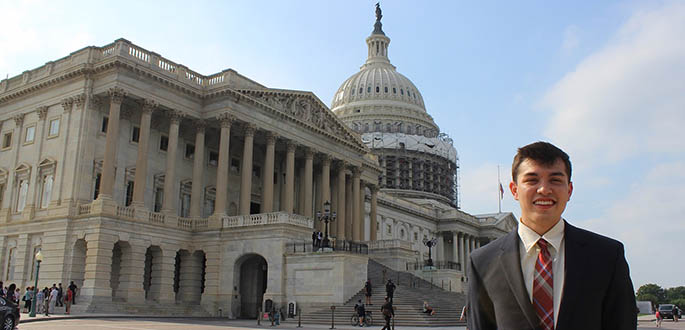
{"type": "Point", "coordinates": [650, 222]}
{"type": "Point", "coordinates": [624, 107]}
{"type": "Point", "coordinates": [627, 99]}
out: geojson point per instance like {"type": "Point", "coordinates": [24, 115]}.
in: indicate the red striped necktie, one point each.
{"type": "Point", "coordinates": [543, 287]}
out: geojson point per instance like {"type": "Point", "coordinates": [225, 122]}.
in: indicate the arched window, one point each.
{"type": "Point", "coordinates": [378, 89]}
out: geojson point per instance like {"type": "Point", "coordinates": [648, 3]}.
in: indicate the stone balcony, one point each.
{"type": "Point", "coordinates": [111, 209]}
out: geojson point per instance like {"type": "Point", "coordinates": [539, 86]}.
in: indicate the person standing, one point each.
{"type": "Point", "coordinates": [28, 296]}
{"type": "Point", "coordinates": [40, 297]}
{"type": "Point", "coordinates": [546, 273]}
{"type": "Point", "coordinates": [69, 298]}
{"type": "Point", "coordinates": [367, 293]}
{"type": "Point", "coordinates": [10, 293]}
{"type": "Point", "coordinates": [73, 288]}
{"type": "Point", "coordinates": [54, 293]}
{"type": "Point", "coordinates": [388, 313]}
{"type": "Point", "coordinates": [46, 301]}
{"type": "Point", "coordinates": [390, 289]}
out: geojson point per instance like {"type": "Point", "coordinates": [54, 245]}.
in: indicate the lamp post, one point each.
{"type": "Point", "coordinates": [326, 217]}
{"type": "Point", "coordinates": [430, 243]}
{"type": "Point", "coordinates": [39, 259]}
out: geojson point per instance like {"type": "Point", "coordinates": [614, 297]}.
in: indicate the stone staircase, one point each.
{"type": "Point", "coordinates": [409, 296]}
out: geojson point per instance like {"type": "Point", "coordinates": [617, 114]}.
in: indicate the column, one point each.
{"type": "Point", "coordinates": [170, 193]}
{"type": "Point", "coordinates": [167, 265]}
{"type": "Point", "coordinates": [362, 209]}
{"type": "Point", "coordinates": [289, 177]}
{"type": "Point", "coordinates": [411, 174]}
{"type": "Point", "coordinates": [397, 173]}
{"type": "Point", "coordinates": [109, 163]}
{"type": "Point", "coordinates": [198, 170]}
{"type": "Point", "coordinates": [96, 284]}
{"type": "Point", "coordinates": [462, 259]}
{"type": "Point", "coordinates": [440, 248]}
{"type": "Point", "coordinates": [325, 180]}
{"type": "Point", "coordinates": [455, 247]}
{"type": "Point", "coordinates": [356, 173]}
{"type": "Point", "coordinates": [139, 183]}
{"type": "Point", "coordinates": [190, 277]}
{"type": "Point", "coordinates": [349, 214]}
{"type": "Point", "coordinates": [334, 206]}
{"type": "Point", "coordinates": [132, 271]}
{"type": "Point", "coordinates": [340, 228]}
{"type": "Point", "coordinates": [373, 213]}
{"type": "Point", "coordinates": [268, 184]}
{"type": "Point", "coordinates": [308, 181]}
{"type": "Point", "coordinates": [222, 168]}
{"type": "Point", "coordinates": [246, 172]}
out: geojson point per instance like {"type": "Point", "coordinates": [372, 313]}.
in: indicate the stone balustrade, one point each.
{"type": "Point", "coordinates": [389, 244]}
{"type": "Point", "coordinates": [267, 219]}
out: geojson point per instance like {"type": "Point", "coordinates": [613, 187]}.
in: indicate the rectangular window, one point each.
{"type": "Point", "coordinates": [96, 190]}
{"type": "Point", "coordinates": [10, 264]}
{"type": "Point", "coordinates": [105, 122]}
{"type": "Point", "coordinates": [21, 198]}
{"type": "Point", "coordinates": [7, 140]}
{"type": "Point", "coordinates": [185, 205]}
{"type": "Point", "coordinates": [159, 197]}
{"type": "Point", "coordinates": [135, 134]}
{"type": "Point", "coordinates": [30, 134]}
{"type": "Point", "coordinates": [256, 172]}
{"type": "Point", "coordinates": [129, 192]}
{"type": "Point", "coordinates": [47, 191]}
{"type": "Point", "coordinates": [213, 158]}
{"type": "Point", "coordinates": [54, 128]}
{"type": "Point", "coordinates": [190, 151]}
{"type": "Point", "coordinates": [163, 142]}
{"type": "Point", "coordinates": [235, 165]}
{"type": "Point", "coordinates": [389, 229]}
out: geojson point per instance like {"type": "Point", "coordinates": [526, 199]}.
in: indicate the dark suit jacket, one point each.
{"type": "Point", "coordinates": [597, 294]}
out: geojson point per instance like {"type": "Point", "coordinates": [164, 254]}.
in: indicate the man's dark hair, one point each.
{"type": "Point", "coordinates": [543, 153]}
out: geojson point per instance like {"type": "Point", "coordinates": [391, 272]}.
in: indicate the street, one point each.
{"type": "Point", "coordinates": [180, 324]}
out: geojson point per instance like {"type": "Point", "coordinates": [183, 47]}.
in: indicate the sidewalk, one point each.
{"type": "Point", "coordinates": [249, 324]}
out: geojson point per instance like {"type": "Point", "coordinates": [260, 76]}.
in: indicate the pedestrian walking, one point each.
{"type": "Point", "coordinates": [60, 296]}
{"type": "Point", "coordinates": [46, 301]}
{"type": "Point", "coordinates": [368, 288]}
{"type": "Point", "coordinates": [388, 313]}
{"type": "Point", "coordinates": [658, 319]}
{"type": "Point", "coordinates": [390, 289]}
{"type": "Point", "coordinates": [10, 293]}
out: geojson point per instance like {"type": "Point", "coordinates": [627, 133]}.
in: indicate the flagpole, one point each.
{"type": "Point", "coordinates": [499, 192]}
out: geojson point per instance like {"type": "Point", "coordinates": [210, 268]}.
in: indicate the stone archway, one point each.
{"type": "Point", "coordinates": [78, 262]}
{"type": "Point", "coordinates": [121, 264]}
{"type": "Point", "coordinates": [152, 278]}
{"type": "Point", "coordinates": [250, 278]}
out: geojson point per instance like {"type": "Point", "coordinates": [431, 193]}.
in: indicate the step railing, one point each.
{"type": "Point", "coordinates": [337, 246]}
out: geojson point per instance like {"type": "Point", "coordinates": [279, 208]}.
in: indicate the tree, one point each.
{"type": "Point", "coordinates": [676, 296]}
{"type": "Point", "coordinates": [651, 292]}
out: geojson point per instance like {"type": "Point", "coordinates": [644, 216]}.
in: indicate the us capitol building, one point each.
{"type": "Point", "coordinates": [149, 184]}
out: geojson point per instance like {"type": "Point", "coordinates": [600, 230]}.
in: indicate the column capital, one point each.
{"type": "Point", "coordinates": [42, 112]}
{"type": "Point", "coordinates": [67, 104]}
{"type": "Point", "coordinates": [249, 129]}
{"type": "Point", "coordinates": [149, 106]}
{"type": "Point", "coordinates": [326, 159]}
{"type": "Point", "coordinates": [291, 146]}
{"type": "Point", "coordinates": [18, 119]}
{"type": "Point", "coordinates": [271, 137]}
{"type": "Point", "coordinates": [95, 102]}
{"type": "Point", "coordinates": [175, 116]}
{"type": "Point", "coordinates": [356, 171]}
{"type": "Point", "coordinates": [200, 125]}
{"type": "Point", "coordinates": [226, 119]}
{"type": "Point", "coordinates": [116, 94]}
{"type": "Point", "coordinates": [374, 188]}
{"type": "Point", "coordinates": [340, 165]}
{"type": "Point", "coordinates": [80, 101]}
{"type": "Point", "coordinates": [308, 153]}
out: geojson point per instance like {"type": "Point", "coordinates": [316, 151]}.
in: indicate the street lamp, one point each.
{"type": "Point", "coordinates": [39, 259]}
{"type": "Point", "coordinates": [326, 217]}
{"type": "Point", "coordinates": [430, 243]}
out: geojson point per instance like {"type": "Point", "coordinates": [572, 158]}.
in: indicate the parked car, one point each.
{"type": "Point", "coordinates": [666, 311]}
{"type": "Point", "coordinates": [9, 312]}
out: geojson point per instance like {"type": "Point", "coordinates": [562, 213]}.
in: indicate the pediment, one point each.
{"type": "Point", "coordinates": [23, 167]}
{"type": "Point", "coordinates": [47, 162]}
{"type": "Point", "coordinates": [307, 109]}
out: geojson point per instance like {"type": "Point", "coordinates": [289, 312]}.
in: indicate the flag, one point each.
{"type": "Point", "coordinates": [501, 191]}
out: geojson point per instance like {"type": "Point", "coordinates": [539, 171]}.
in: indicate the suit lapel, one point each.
{"type": "Point", "coordinates": [510, 261]}
{"type": "Point", "coordinates": [575, 269]}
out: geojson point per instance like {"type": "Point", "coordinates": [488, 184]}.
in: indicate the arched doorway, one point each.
{"type": "Point", "coordinates": [152, 278]}
{"type": "Point", "coordinates": [121, 263]}
{"type": "Point", "coordinates": [251, 275]}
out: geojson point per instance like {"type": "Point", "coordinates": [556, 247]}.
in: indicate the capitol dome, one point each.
{"type": "Point", "coordinates": [388, 111]}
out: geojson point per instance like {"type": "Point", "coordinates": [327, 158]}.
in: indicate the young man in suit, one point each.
{"type": "Point", "coordinates": [548, 274]}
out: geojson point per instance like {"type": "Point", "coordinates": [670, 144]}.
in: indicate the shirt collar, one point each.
{"type": "Point", "coordinates": [529, 237]}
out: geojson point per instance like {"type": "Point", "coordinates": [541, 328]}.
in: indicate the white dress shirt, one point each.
{"type": "Point", "coordinates": [529, 251]}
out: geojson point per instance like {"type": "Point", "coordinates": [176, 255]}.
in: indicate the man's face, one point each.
{"type": "Point", "coordinates": [542, 192]}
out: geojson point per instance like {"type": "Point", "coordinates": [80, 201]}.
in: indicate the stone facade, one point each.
{"type": "Point", "coordinates": [145, 182]}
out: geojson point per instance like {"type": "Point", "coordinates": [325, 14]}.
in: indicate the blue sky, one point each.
{"type": "Point", "coordinates": [601, 79]}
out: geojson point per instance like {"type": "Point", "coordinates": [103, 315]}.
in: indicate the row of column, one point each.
{"type": "Point", "coordinates": [350, 217]}
{"type": "Point", "coordinates": [463, 245]}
